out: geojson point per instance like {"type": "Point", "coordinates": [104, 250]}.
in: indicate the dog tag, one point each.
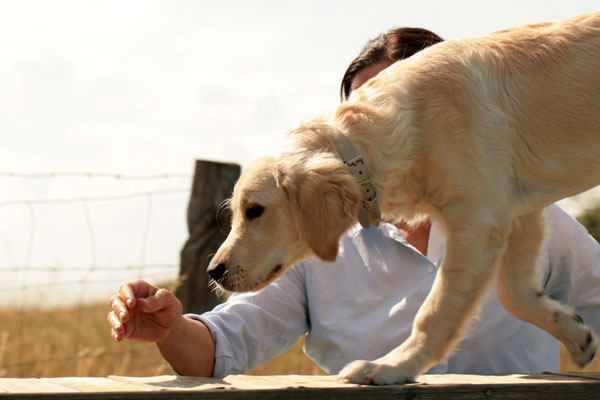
{"type": "Point", "coordinates": [375, 214]}
{"type": "Point", "coordinates": [364, 218]}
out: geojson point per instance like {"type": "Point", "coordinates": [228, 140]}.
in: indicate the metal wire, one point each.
{"type": "Point", "coordinates": [150, 271]}
{"type": "Point", "coordinates": [79, 174]}
{"type": "Point", "coordinates": [93, 198]}
{"type": "Point", "coordinates": [145, 270]}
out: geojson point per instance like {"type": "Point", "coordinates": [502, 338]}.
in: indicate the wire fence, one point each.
{"type": "Point", "coordinates": [70, 239]}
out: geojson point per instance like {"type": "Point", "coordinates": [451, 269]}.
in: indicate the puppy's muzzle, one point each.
{"type": "Point", "coordinates": [217, 271]}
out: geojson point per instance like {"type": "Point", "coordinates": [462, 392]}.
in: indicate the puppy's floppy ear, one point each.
{"type": "Point", "coordinates": [324, 202]}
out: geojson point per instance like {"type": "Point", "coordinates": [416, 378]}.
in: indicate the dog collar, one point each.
{"type": "Point", "coordinates": [369, 212]}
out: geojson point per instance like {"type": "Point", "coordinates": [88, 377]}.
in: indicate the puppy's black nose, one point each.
{"type": "Point", "coordinates": [217, 271]}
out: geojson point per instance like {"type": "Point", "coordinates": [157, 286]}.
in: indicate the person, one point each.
{"type": "Point", "coordinates": [362, 305]}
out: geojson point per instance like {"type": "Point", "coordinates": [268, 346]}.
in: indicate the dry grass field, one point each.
{"type": "Point", "coordinates": [76, 342]}
{"type": "Point", "coordinates": [69, 342]}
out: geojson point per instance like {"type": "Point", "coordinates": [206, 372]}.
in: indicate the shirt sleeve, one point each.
{"type": "Point", "coordinates": [573, 276]}
{"type": "Point", "coordinates": [251, 328]}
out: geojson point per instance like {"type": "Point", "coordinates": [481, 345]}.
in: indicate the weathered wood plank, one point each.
{"type": "Point", "coordinates": [213, 183]}
{"type": "Point", "coordinates": [30, 385]}
{"type": "Point", "coordinates": [90, 385]}
{"type": "Point", "coordinates": [530, 387]}
{"type": "Point", "coordinates": [586, 375]}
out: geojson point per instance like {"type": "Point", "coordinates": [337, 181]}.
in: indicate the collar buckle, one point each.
{"type": "Point", "coordinates": [369, 212]}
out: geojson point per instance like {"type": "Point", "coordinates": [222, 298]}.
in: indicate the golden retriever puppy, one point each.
{"type": "Point", "coordinates": [480, 134]}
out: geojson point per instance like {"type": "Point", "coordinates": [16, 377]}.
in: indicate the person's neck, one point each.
{"type": "Point", "coordinates": [417, 236]}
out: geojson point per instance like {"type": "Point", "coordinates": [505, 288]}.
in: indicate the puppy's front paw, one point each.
{"type": "Point", "coordinates": [375, 373]}
{"type": "Point", "coordinates": [360, 372]}
{"type": "Point", "coordinates": [583, 353]}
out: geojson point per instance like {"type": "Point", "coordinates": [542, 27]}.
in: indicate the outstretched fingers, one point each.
{"type": "Point", "coordinates": [117, 328]}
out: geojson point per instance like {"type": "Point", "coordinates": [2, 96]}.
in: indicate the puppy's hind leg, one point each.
{"type": "Point", "coordinates": [520, 294]}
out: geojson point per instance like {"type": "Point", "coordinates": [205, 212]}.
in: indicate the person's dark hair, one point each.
{"type": "Point", "coordinates": [391, 46]}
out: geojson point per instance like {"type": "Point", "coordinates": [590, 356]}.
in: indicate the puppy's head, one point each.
{"type": "Point", "coordinates": [285, 209]}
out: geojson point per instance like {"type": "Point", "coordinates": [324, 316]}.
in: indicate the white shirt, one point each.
{"type": "Point", "coordinates": [362, 306]}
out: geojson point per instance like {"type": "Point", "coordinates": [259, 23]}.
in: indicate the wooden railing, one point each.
{"type": "Point", "coordinates": [546, 386]}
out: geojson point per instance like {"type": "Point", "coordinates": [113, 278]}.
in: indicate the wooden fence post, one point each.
{"type": "Point", "coordinates": [213, 183]}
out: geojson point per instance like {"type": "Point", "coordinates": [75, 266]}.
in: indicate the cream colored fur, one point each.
{"type": "Point", "coordinates": [480, 134]}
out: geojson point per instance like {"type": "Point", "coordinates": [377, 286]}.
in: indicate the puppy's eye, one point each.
{"type": "Point", "coordinates": [254, 211]}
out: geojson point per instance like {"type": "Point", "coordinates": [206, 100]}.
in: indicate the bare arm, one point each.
{"type": "Point", "coordinates": [141, 311]}
{"type": "Point", "coordinates": [189, 348]}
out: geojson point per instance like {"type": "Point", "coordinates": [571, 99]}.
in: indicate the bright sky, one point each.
{"type": "Point", "coordinates": [141, 87]}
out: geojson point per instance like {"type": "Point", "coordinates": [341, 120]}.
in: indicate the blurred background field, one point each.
{"type": "Point", "coordinates": [72, 342]}
{"type": "Point", "coordinates": [77, 342]}
{"type": "Point", "coordinates": [41, 338]}
{"type": "Point", "coordinates": [53, 316]}
{"type": "Point", "coordinates": [53, 306]}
